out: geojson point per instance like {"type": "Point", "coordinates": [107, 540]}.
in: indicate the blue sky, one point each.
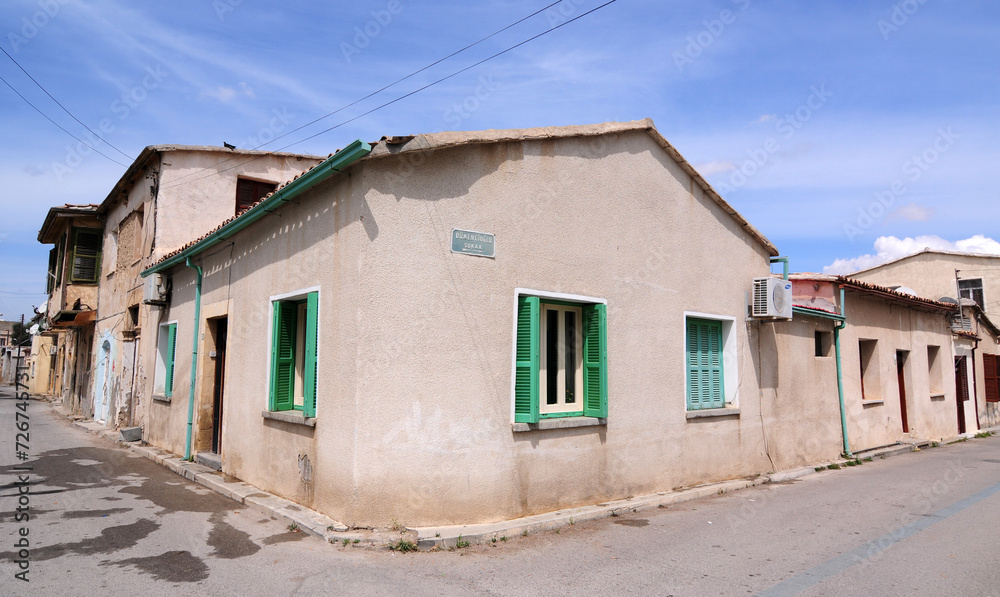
{"type": "Point", "coordinates": [851, 131]}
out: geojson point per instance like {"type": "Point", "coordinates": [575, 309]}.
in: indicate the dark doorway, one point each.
{"type": "Point", "coordinates": [900, 370]}
{"type": "Point", "coordinates": [218, 391]}
{"type": "Point", "coordinates": [961, 390]}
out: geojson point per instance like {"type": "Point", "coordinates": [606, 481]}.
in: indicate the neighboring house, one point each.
{"type": "Point", "coordinates": [973, 279]}
{"type": "Point", "coordinates": [170, 195]}
{"type": "Point", "coordinates": [354, 352]}
{"type": "Point", "coordinates": [938, 274]}
{"type": "Point", "coordinates": [75, 231]}
{"type": "Point", "coordinates": [41, 363]}
{"type": "Point", "coordinates": [895, 352]}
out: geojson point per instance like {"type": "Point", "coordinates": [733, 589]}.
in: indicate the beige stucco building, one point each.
{"type": "Point", "coordinates": [168, 196]}
{"type": "Point", "coordinates": [357, 353]}
{"type": "Point", "coordinates": [973, 279]}
{"type": "Point", "coordinates": [895, 353]}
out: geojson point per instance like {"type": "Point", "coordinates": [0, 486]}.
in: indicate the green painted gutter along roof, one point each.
{"type": "Point", "coordinates": [308, 179]}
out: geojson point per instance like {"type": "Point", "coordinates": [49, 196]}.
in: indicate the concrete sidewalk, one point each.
{"type": "Point", "coordinates": [333, 531]}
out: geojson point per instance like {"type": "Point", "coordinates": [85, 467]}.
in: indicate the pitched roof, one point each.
{"type": "Point", "coordinates": [63, 211]}
{"type": "Point", "coordinates": [926, 251]}
{"type": "Point", "coordinates": [152, 150]}
{"type": "Point", "coordinates": [396, 145]}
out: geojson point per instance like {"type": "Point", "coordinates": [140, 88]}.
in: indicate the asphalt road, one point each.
{"type": "Point", "coordinates": [104, 521]}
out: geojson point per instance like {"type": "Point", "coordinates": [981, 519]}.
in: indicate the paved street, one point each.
{"type": "Point", "coordinates": [105, 521]}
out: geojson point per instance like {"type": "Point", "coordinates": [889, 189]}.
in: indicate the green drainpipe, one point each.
{"type": "Point", "coordinates": [840, 376]}
{"type": "Point", "coordinates": [194, 357]}
{"type": "Point", "coordinates": [784, 263]}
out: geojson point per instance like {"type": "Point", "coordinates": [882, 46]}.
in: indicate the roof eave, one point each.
{"type": "Point", "coordinates": [319, 173]}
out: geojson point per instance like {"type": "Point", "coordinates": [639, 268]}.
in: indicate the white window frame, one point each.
{"type": "Point", "coordinates": [160, 369]}
{"type": "Point", "coordinates": [730, 358]}
{"type": "Point", "coordinates": [542, 294]}
{"type": "Point", "coordinates": [295, 295]}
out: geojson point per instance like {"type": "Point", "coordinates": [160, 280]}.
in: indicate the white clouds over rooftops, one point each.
{"type": "Point", "coordinates": [889, 248]}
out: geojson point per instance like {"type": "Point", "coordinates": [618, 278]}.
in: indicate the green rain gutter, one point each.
{"type": "Point", "coordinates": [194, 357]}
{"type": "Point", "coordinates": [841, 323]}
{"type": "Point", "coordinates": [319, 173]}
{"type": "Point", "coordinates": [784, 262]}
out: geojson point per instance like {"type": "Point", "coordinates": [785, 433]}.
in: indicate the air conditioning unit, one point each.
{"type": "Point", "coordinates": [155, 290]}
{"type": "Point", "coordinates": [772, 298]}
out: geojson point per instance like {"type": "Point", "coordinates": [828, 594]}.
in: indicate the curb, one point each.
{"type": "Point", "coordinates": [477, 534]}
{"type": "Point", "coordinates": [447, 537]}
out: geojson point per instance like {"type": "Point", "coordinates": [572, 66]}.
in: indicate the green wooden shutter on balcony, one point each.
{"type": "Point", "coordinates": [527, 360]}
{"type": "Point", "coordinates": [53, 260]}
{"type": "Point", "coordinates": [704, 364]}
{"type": "Point", "coordinates": [86, 255]}
{"type": "Point", "coordinates": [310, 364]}
{"type": "Point", "coordinates": [283, 356]}
{"type": "Point", "coordinates": [168, 381]}
{"type": "Point", "coordinates": [595, 361]}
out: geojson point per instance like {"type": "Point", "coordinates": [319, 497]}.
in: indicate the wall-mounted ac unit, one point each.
{"type": "Point", "coordinates": [772, 298]}
{"type": "Point", "coordinates": [154, 292]}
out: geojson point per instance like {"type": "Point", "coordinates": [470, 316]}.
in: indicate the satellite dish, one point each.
{"type": "Point", "coordinates": [906, 290]}
{"type": "Point", "coordinates": [947, 299]}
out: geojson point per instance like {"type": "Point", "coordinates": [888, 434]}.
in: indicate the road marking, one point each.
{"type": "Point", "coordinates": [821, 572]}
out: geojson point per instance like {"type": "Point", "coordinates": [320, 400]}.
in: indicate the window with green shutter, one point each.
{"type": "Point", "coordinates": [171, 353]}
{"type": "Point", "coordinates": [294, 365]}
{"type": "Point", "coordinates": [705, 375]}
{"type": "Point", "coordinates": [166, 352]}
{"type": "Point", "coordinates": [86, 267]}
{"type": "Point", "coordinates": [560, 360]}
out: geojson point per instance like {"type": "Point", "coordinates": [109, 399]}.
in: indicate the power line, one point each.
{"type": "Point", "coordinates": [58, 125]}
{"type": "Point", "coordinates": [404, 96]}
{"type": "Point", "coordinates": [374, 93]}
{"type": "Point", "coordinates": [62, 106]}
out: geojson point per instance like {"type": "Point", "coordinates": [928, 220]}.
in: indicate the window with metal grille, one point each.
{"type": "Point", "coordinates": [249, 192]}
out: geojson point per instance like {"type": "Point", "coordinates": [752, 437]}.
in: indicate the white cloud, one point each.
{"type": "Point", "coordinates": [912, 213]}
{"type": "Point", "coordinates": [227, 94]}
{"type": "Point", "coordinates": [715, 167]}
{"type": "Point", "coordinates": [766, 118]}
{"type": "Point", "coordinates": [888, 248]}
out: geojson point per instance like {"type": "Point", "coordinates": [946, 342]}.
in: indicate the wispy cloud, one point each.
{"type": "Point", "coordinates": [226, 94]}
{"type": "Point", "coordinates": [912, 213]}
{"type": "Point", "coordinates": [889, 248]}
{"type": "Point", "coordinates": [715, 167]}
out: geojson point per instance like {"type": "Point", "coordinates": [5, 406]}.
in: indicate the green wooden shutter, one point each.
{"type": "Point", "coordinates": [283, 356]}
{"type": "Point", "coordinates": [86, 255]}
{"type": "Point", "coordinates": [704, 364]}
{"type": "Point", "coordinates": [168, 381]}
{"type": "Point", "coordinates": [53, 261]}
{"type": "Point", "coordinates": [309, 362]}
{"type": "Point", "coordinates": [595, 361]}
{"type": "Point", "coordinates": [527, 360]}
